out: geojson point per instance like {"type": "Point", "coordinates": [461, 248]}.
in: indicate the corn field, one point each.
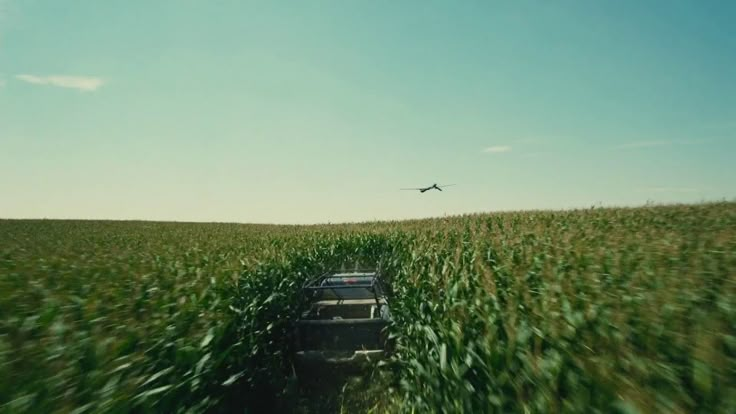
{"type": "Point", "coordinates": [598, 310]}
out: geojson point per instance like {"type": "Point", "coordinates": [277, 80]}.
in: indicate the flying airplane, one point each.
{"type": "Point", "coordinates": [433, 186]}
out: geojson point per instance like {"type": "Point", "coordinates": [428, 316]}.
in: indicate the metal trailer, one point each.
{"type": "Point", "coordinates": [343, 322]}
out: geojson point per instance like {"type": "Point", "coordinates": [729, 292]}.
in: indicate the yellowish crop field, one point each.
{"type": "Point", "coordinates": [601, 310]}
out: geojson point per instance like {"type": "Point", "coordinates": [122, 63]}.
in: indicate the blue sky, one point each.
{"type": "Point", "coordinates": [319, 111]}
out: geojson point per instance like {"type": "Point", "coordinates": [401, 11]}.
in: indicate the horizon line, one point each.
{"type": "Point", "coordinates": [598, 206]}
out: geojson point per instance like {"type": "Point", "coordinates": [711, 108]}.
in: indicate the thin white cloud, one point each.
{"type": "Point", "coordinates": [497, 149]}
{"type": "Point", "coordinates": [82, 83]}
{"type": "Point", "coordinates": [2, 83]}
